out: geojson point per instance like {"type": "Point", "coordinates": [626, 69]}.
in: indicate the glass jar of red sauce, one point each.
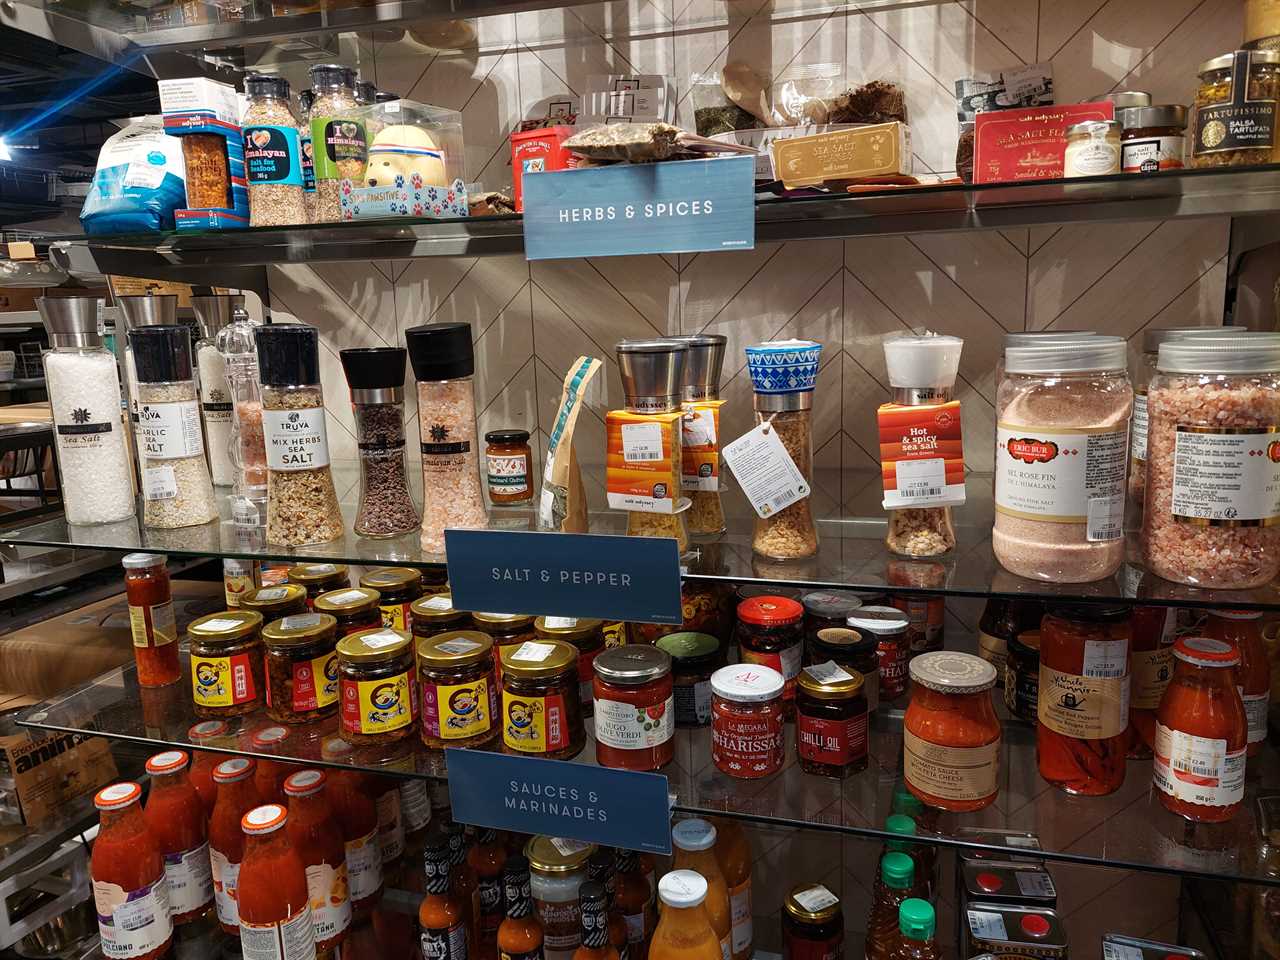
{"type": "Point", "coordinates": [1082, 716]}
{"type": "Point", "coordinates": [951, 735]}
{"type": "Point", "coordinates": [634, 708]}
{"type": "Point", "coordinates": [301, 666]}
{"type": "Point", "coordinates": [1243, 630]}
{"type": "Point", "coordinates": [205, 736]}
{"type": "Point", "coordinates": [812, 924]}
{"type": "Point", "coordinates": [356, 815]}
{"type": "Point", "coordinates": [1151, 666]}
{"type": "Point", "coordinates": [584, 633]}
{"type": "Point", "coordinates": [275, 905]}
{"type": "Point", "coordinates": [771, 633]}
{"type": "Point", "coordinates": [151, 620]}
{"type": "Point", "coordinates": [831, 721]}
{"type": "Point", "coordinates": [889, 626]}
{"type": "Point", "coordinates": [398, 587]}
{"type": "Point", "coordinates": [315, 836]}
{"type": "Point", "coordinates": [237, 795]}
{"type": "Point", "coordinates": [127, 868]}
{"type": "Point", "coordinates": [176, 819]}
{"type": "Point", "coordinates": [747, 720]}
{"type": "Point", "coordinates": [1201, 733]}
{"type": "Point", "coordinates": [269, 774]}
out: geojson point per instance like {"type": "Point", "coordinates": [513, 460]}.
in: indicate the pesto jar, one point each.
{"type": "Point", "coordinates": [302, 667]}
{"type": "Point", "coordinates": [318, 578]}
{"type": "Point", "coordinates": [435, 614]}
{"type": "Point", "coordinates": [227, 677]}
{"type": "Point", "coordinates": [355, 608]}
{"type": "Point", "coordinates": [276, 601]}
{"type": "Point", "coordinates": [377, 686]}
{"type": "Point", "coordinates": [399, 586]}
{"type": "Point", "coordinates": [459, 695]}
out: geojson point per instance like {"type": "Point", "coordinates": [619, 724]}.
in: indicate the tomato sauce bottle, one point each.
{"type": "Point", "coordinates": [386, 798]}
{"type": "Point", "coordinates": [600, 868]}
{"type": "Point", "coordinates": [694, 841]}
{"type": "Point", "coordinates": [236, 796]}
{"type": "Point", "coordinates": [353, 809]}
{"type": "Point", "coordinates": [520, 933]}
{"type": "Point", "coordinates": [684, 932]}
{"type": "Point", "coordinates": [151, 619]}
{"type": "Point", "coordinates": [1151, 666]}
{"type": "Point", "coordinates": [594, 909]}
{"type": "Point", "coordinates": [442, 919]}
{"type": "Point", "coordinates": [275, 908]}
{"type": "Point", "coordinates": [175, 817]}
{"type": "Point", "coordinates": [203, 760]}
{"type": "Point", "coordinates": [487, 858]}
{"type": "Point", "coordinates": [1243, 629]}
{"type": "Point", "coordinates": [464, 882]}
{"type": "Point", "coordinates": [270, 774]}
{"type": "Point", "coordinates": [733, 853]}
{"type": "Point", "coordinates": [318, 842]}
{"type": "Point", "coordinates": [128, 879]}
{"type": "Point", "coordinates": [635, 902]}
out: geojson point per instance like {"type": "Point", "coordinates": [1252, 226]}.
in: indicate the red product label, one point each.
{"type": "Point", "coordinates": [927, 436]}
{"type": "Point", "coordinates": [835, 742]}
{"type": "Point", "coordinates": [801, 948]}
{"type": "Point", "coordinates": [1028, 144]}
{"type": "Point", "coordinates": [242, 689]}
{"type": "Point", "coordinates": [535, 151]}
{"type": "Point", "coordinates": [747, 745]}
{"type": "Point", "coordinates": [893, 668]}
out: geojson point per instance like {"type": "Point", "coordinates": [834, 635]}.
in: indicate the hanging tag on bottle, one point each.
{"type": "Point", "coordinates": [765, 471]}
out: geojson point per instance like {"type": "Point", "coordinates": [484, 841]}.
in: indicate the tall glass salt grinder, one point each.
{"type": "Point", "coordinates": [452, 496]}
{"type": "Point", "coordinates": [376, 378]}
{"type": "Point", "coordinates": [142, 310]}
{"type": "Point", "coordinates": [700, 460]}
{"type": "Point", "coordinates": [83, 382]}
{"type": "Point", "coordinates": [783, 374]}
{"type": "Point", "coordinates": [176, 488]}
{"type": "Point", "coordinates": [924, 463]}
{"type": "Point", "coordinates": [239, 352]}
{"type": "Point", "coordinates": [213, 313]}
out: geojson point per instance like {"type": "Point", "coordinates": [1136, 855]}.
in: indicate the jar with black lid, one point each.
{"type": "Point", "coordinates": [508, 466]}
{"type": "Point", "coordinates": [227, 677]}
{"type": "Point", "coordinates": [274, 602]}
{"type": "Point", "coordinates": [827, 608]}
{"type": "Point", "coordinates": [459, 696]}
{"type": "Point", "coordinates": [541, 709]}
{"type": "Point", "coordinates": [812, 924]}
{"type": "Point", "coordinates": [506, 630]}
{"type": "Point", "coordinates": [831, 721]}
{"type": "Point", "coordinates": [318, 578]}
{"type": "Point", "coordinates": [377, 685]}
{"type": "Point", "coordinates": [302, 667]}
{"type": "Point", "coordinates": [1022, 675]}
{"type": "Point", "coordinates": [435, 614]}
{"type": "Point", "coordinates": [856, 652]}
{"type": "Point", "coordinates": [587, 636]}
{"type": "Point", "coordinates": [354, 608]}
{"type": "Point", "coordinates": [399, 587]}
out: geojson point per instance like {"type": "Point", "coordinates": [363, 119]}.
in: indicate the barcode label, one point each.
{"type": "Point", "coordinates": [910, 492]}
{"type": "Point", "coordinates": [783, 499]}
{"type": "Point", "coordinates": [641, 442]}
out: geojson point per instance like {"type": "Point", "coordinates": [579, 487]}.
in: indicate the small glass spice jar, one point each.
{"type": "Point", "coordinates": [151, 620]}
{"type": "Point", "coordinates": [355, 608]}
{"type": "Point", "coordinates": [1234, 123]}
{"type": "Point", "coordinates": [276, 601]}
{"type": "Point", "coordinates": [377, 683]}
{"type": "Point", "coordinates": [831, 721]}
{"type": "Point", "coordinates": [856, 652]}
{"type": "Point", "coordinates": [227, 678]}
{"type": "Point", "coordinates": [587, 635]}
{"type": "Point", "coordinates": [399, 587]}
{"type": "Point", "coordinates": [770, 632]}
{"type": "Point", "coordinates": [435, 614]}
{"type": "Point", "coordinates": [694, 658]}
{"type": "Point", "coordinates": [812, 924]}
{"type": "Point", "coordinates": [1201, 733]}
{"type": "Point", "coordinates": [827, 608]}
{"type": "Point", "coordinates": [1093, 149]}
{"type": "Point", "coordinates": [951, 735]}
{"type": "Point", "coordinates": [318, 578]}
{"type": "Point", "coordinates": [508, 466]}
{"type": "Point", "coordinates": [1153, 138]}
{"type": "Point", "coordinates": [747, 721]}
{"type": "Point", "coordinates": [301, 667]}
{"type": "Point", "coordinates": [541, 707]}
{"type": "Point", "coordinates": [506, 630]}
{"type": "Point", "coordinates": [889, 626]}
{"type": "Point", "coordinates": [1022, 675]}
{"type": "Point", "coordinates": [459, 693]}
{"type": "Point", "coordinates": [634, 708]}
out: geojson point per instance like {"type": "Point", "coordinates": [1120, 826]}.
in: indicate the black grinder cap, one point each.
{"type": "Point", "coordinates": [161, 354]}
{"type": "Point", "coordinates": [266, 85]}
{"type": "Point", "coordinates": [373, 368]}
{"type": "Point", "coordinates": [441, 351]}
{"type": "Point", "coordinates": [288, 354]}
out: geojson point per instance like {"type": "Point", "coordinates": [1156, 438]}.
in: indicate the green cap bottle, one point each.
{"type": "Point", "coordinates": [903, 826]}
{"type": "Point", "coordinates": [916, 920]}
{"type": "Point", "coordinates": [897, 870]}
{"type": "Point", "coordinates": [904, 801]}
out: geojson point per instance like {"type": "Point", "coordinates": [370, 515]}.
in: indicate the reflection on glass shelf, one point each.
{"type": "Point", "coordinates": [851, 548]}
{"type": "Point", "coordinates": [1129, 828]}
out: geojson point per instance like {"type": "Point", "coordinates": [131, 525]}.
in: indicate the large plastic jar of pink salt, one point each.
{"type": "Point", "coordinates": [1062, 445]}
{"type": "Point", "coordinates": [1213, 462]}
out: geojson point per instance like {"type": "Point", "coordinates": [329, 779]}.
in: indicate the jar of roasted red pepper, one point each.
{"type": "Point", "coordinates": [1201, 733]}
{"type": "Point", "coordinates": [1151, 666]}
{"type": "Point", "coordinates": [151, 620]}
{"type": "Point", "coordinates": [634, 708]}
{"type": "Point", "coordinates": [889, 626]}
{"type": "Point", "coordinates": [771, 633]}
{"type": "Point", "coordinates": [587, 636]}
{"type": "Point", "coordinates": [747, 720]}
{"type": "Point", "coordinates": [1243, 630]}
{"type": "Point", "coordinates": [354, 608]}
{"type": "Point", "coordinates": [951, 736]}
{"type": "Point", "coordinates": [1083, 702]}
{"type": "Point", "coordinates": [831, 721]}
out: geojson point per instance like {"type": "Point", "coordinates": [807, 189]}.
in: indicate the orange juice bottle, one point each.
{"type": "Point", "coordinates": [694, 841]}
{"type": "Point", "coordinates": [733, 853]}
{"type": "Point", "coordinates": [897, 878]}
{"type": "Point", "coordinates": [916, 925]}
{"type": "Point", "coordinates": [684, 932]}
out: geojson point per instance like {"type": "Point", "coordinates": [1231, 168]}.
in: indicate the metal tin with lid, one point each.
{"type": "Point", "coordinates": [1117, 947]}
{"type": "Point", "coordinates": [1006, 881]}
{"type": "Point", "coordinates": [1011, 930]}
{"type": "Point", "coordinates": [652, 374]}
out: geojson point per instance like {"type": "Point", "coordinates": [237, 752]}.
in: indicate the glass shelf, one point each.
{"type": "Point", "coordinates": [1127, 829]}
{"type": "Point", "coordinates": [851, 551]}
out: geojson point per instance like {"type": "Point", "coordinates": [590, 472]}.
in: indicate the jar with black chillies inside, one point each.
{"type": "Point", "coordinates": [355, 608]}
{"type": "Point", "coordinates": [1022, 676]}
{"type": "Point", "coordinates": [831, 721]}
{"type": "Point", "coordinates": [770, 632]}
{"type": "Point", "coordinates": [378, 687]}
{"type": "Point", "coordinates": [302, 667]}
{"type": "Point", "coordinates": [853, 650]}
{"type": "Point", "coordinates": [459, 693]}
{"type": "Point", "coordinates": [398, 588]}
{"type": "Point", "coordinates": [505, 630]}
{"type": "Point", "coordinates": [812, 924]}
{"type": "Point", "coordinates": [586, 634]}
{"type": "Point", "coordinates": [435, 614]}
{"type": "Point", "coordinates": [318, 578]}
{"type": "Point", "coordinates": [541, 708]}
{"type": "Point", "coordinates": [227, 678]}
{"type": "Point", "coordinates": [376, 378]}
{"type": "Point", "coordinates": [435, 580]}
{"type": "Point", "coordinates": [694, 658]}
{"type": "Point", "coordinates": [508, 467]}
{"type": "Point", "coordinates": [276, 601]}
{"type": "Point", "coordinates": [1082, 705]}
{"type": "Point", "coordinates": [827, 608]}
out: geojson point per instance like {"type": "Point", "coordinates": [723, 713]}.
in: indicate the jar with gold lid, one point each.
{"type": "Point", "coordinates": [1235, 109]}
{"type": "Point", "coordinates": [318, 578]}
{"type": "Point", "coordinates": [227, 677]}
{"type": "Point", "coordinates": [399, 587]}
{"type": "Point", "coordinates": [812, 923]}
{"type": "Point", "coordinates": [1262, 24]}
{"type": "Point", "coordinates": [831, 721]}
{"type": "Point", "coordinates": [355, 608]}
{"type": "Point", "coordinates": [459, 698]}
{"type": "Point", "coordinates": [506, 630]}
{"type": "Point", "coordinates": [377, 684]}
{"type": "Point", "coordinates": [435, 579]}
{"type": "Point", "coordinates": [302, 667]}
{"type": "Point", "coordinates": [276, 601]}
{"type": "Point", "coordinates": [541, 708]}
{"type": "Point", "coordinates": [587, 635]}
{"type": "Point", "coordinates": [435, 614]}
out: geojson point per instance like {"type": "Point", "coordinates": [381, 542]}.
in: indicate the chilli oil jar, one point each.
{"type": "Point", "coordinates": [634, 708]}
{"type": "Point", "coordinates": [541, 709]}
{"type": "Point", "coordinates": [354, 609]}
{"type": "Point", "coordinates": [226, 663]}
{"type": "Point", "coordinates": [377, 684]}
{"type": "Point", "coordinates": [302, 667]}
{"type": "Point", "coordinates": [747, 720]}
{"type": "Point", "coordinates": [831, 721]}
{"type": "Point", "coordinates": [771, 633]}
{"type": "Point", "coordinates": [397, 587]}
{"type": "Point", "coordinates": [587, 636]}
{"type": "Point", "coordinates": [459, 696]}
{"type": "Point", "coordinates": [812, 924]}
{"type": "Point", "coordinates": [318, 578]}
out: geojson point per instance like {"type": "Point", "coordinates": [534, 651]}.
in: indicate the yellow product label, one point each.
{"type": "Point", "coordinates": [1152, 671]}
{"type": "Point", "coordinates": [222, 681]}
{"type": "Point", "coordinates": [395, 615]}
{"type": "Point", "coordinates": [1087, 708]}
{"type": "Point", "coordinates": [994, 650]}
{"type": "Point", "coordinates": [534, 724]}
{"type": "Point", "coordinates": [377, 706]}
{"type": "Point", "coordinates": [615, 634]}
{"type": "Point", "coordinates": [163, 629]}
{"type": "Point", "coordinates": [953, 773]}
{"type": "Point", "coordinates": [458, 710]}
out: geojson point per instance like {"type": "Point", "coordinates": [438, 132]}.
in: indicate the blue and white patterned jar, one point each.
{"type": "Point", "coordinates": [784, 366]}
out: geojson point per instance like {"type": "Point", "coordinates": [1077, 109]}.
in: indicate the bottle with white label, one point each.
{"type": "Point", "coordinates": [1242, 629]}
{"type": "Point", "coordinates": [274, 898]}
{"type": "Point", "coordinates": [315, 837]}
{"type": "Point", "coordinates": [213, 313]}
{"type": "Point", "coordinates": [133, 916]}
{"type": "Point", "coordinates": [176, 820]}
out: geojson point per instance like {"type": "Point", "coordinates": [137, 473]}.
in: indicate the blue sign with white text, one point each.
{"type": "Point", "coordinates": [684, 206]}
{"type": "Point", "coordinates": [576, 801]}
{"type": "Point", "coordinates": [565, 574]}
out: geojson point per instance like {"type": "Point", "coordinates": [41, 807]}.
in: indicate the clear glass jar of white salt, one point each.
{"type": "Point", "coordinates": [84, 396]}
{"type": "Point", "coordinates": [1062, 445]}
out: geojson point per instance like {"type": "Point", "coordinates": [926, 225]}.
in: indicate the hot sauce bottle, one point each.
{"type": "Point", "coordinates": [520, 934]}
{"type": "Point", "coordinates": [151, 620]}
{"type": "Point", "coordinates": [318, 843]}
{"type": "Point", "coordinates": [1151, 661]}
{"type": "Point", "coordinates": [1243, 630]}
{"type": "Point", "coordinates": [487, 857]}
{"type": "Point", "coordinates": [594, 909]}
{"type": "Point", "coordinates": [175, 817]}
{"type": "Point", "coordinates": [464, 881]}
{"type": "Point", "coordinates": [128, 878]}
{"type": "Point", "coordinates": [733, 853]}
{"type": "Point", "coordinates": [600, 868]}
{"type": "Point", "coordinates": [275, 907]}
{"type": "Point", "coordinates": [635, 901]}
{"type": "Point", "coordinates": [270, 774]}
{"type": "Point", "coordinates": [442, 922]}
{"type": "Point", "coordinates": [236, 797]}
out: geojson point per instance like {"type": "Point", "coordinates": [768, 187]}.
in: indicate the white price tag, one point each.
{"type": "Point", "coordinates": [219, 624]}
{"type": "Point", "coordinates": [301, 621]}
{"type": "Point", "coordinates": [533, 652]}
{"type": "Point", "coordinates": [1105, 518]}
{"type": "Point", "coordinates": [458, 646]}
{"type": "Point", "coordinates": [383, 638]}
{"type": "Point", "coordinates": [441, 601]}
{"type": "Point", "coordinates": [1106, 659]}
{"type": "Point", "coordinates": [988, 926]}
{"type": "Point", "coordinates": [829, 672]}
{"type": "Point", "coordinates": [160, 482]}
{"type": "Point", "coordinates": [568, 847]}
{"type": "Point", "coordinates": [346, 596]}
{"type": "Point", "coordinates": [319, 568]}
{"type": "Point", "coordinates": [816, 898]}
{"type": "Point", "coordinates": [765, 471]}
{"type": "Point", "coordinates": [641, 442]}
{"type": "Point", "coordinates": [921, 482]}
{"type": "Point", "coordinates": [1035, 883]}
{"type": "Point", "coordinates": [271, 593]}
{"type": "Point", "coordinates": [560, 623]}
